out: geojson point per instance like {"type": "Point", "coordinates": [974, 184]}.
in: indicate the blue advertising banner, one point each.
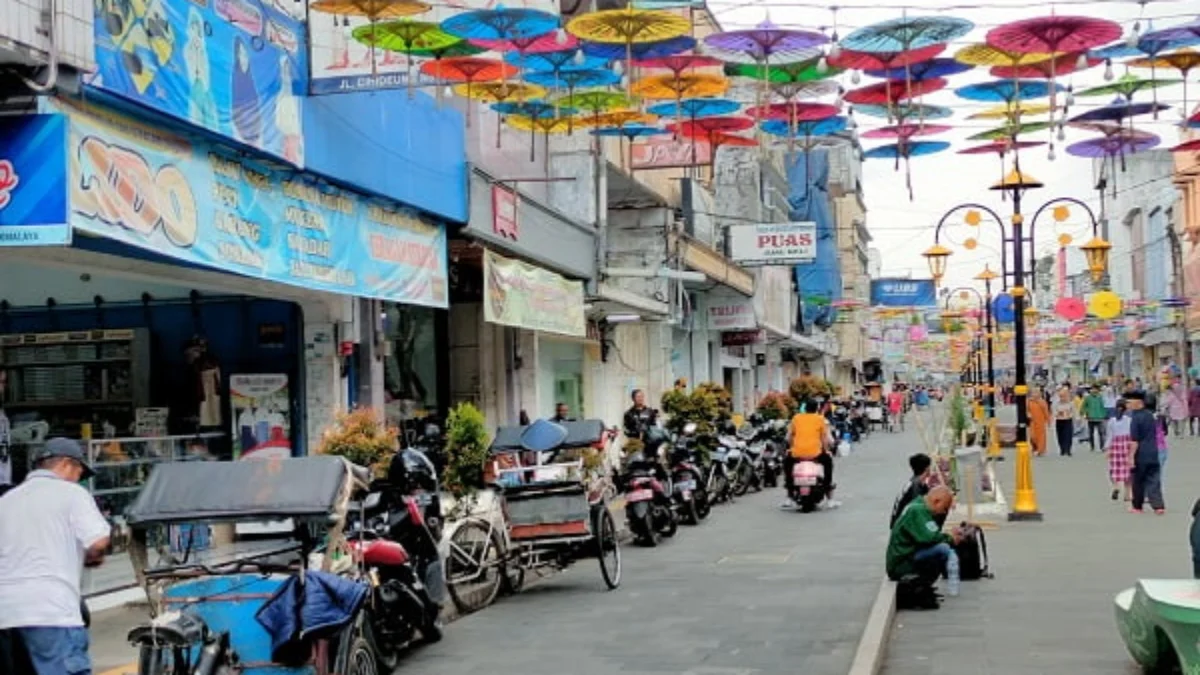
{"type": "Point", "coordinates": [33, 180]}
{"type": "Point", "coordinates": [234, 67]}
{"type": "Point", "coordinates": [903, 293]}
{"type": "Point", "coordinates": [208, 205]}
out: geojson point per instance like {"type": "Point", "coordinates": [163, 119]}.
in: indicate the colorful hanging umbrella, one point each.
{"type": "Point", "coordinates": [1048, 68]}
{"type": "Point", "coordinates": [1007, 91]}
{"type": "Point", "coordinates": [686, 85]}
{"type": "Point", "coordinates": [988, 56]}
{"type": "Point", "coordinates": [893, 91]}
{"type": "Point", "coordinates": [502, 24]}
{"type": "Point", "coordinates": [1010, 132]}
{"type": "Point", "coordinates": [1011, 111]}
{"type": "Point", "coordinates": [678, 63]}
{"type": "Point", "coordinates": [536, 44]}
{"type": "Point", "coordinates": [1105, 305]}
{"type": "Point", "coordinates": [796, 72]}
{"type": "Point", "coordinates": [1071, 309]}
{"type": "Point", "coordinates": [622, 118]}
{"type": "Point", "coordinates": [499, 91]}
{"type": "Point", "coordinates": [1117, 111]}
{"type": "Point", "coordinates": [594, 102]}
{"type": "Point", "coordinates": [922, 71]}
{"type": "Point", "coordinates": [1112, 148]}
{"type": "Point", "coordinates": [906, 131]}
{"type": "Point", "coordinates": [1126, 86]}
{"type": "Point", "coordinates": [372, 10]}
{"type": "Point", "coordinates": [796, 112]}
{"type": "Point", "coordinates": [907, 33]}
{"type": "Point", "coordinates": [410, 38]}
{"type": "Point", "coordinates": [706, 126]}
{"type": "Point", "coordinates": [628, 132]}
{"type": "Point", "coordinates": [905, 150]}
{"type": "Point", "coordinates": [1189, 146]}
{"type": "Point", "coordinates": [765, 43]}
{"type": "Point", "coordinates": [1053, 35]}
{"type": "Point", "coordinates": [640, 50]}
{"type": "Point", "coordinates": [1184, 61]}
{"type": "Point", "coordinates": [1186, 32]}
{"type": "Point", "coordinates": [546, 125]}
{"type": "Point", "coordinates": [573, 78]}
{"type": "Point", "coordinates": [468, 70]}
{"type": "Point", "coordinates": [627, 27]}
{"type": "Point", "coordinates": [806, 129]}
{"type": "Point", "coordinates": [554, 61]}
{"type": "Point", "coordinates": [849, 59]}
{"type": "Point", "coordinates": [695, 107]}
{"type": "Point", "coordinates": [906, 111]}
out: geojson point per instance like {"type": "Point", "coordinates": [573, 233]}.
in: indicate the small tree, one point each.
{"type": "Point", "coordinates": [776, 405]}
{"type": "Point", "coordinates": [810, 386]}
{"type": "Point", "coordinates": [467, 445]}
{"type": "Point", "coordinates": [959, 416]}
{"type": "Point", "coordinates": [362, 437]}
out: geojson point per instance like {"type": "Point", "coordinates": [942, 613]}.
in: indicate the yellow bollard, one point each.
{"type": "Point", "coordinates": [1024, 504]}
{"type": "Point", "coordinates": [993, 448]}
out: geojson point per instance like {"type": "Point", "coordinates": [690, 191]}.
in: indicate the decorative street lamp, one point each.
{"type": "Point", "coordinates": [987, 276]}
{"type": "Point", "coordinates": [1015, 185]}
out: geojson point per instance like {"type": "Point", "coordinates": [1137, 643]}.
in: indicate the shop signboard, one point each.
{"type": "Point", "coordinates": [261, 416]}
{"type": "Point", "coordinates": [342, 57]}
{"type": "Point", "coordinates": [234, 67]}
{"type": "Point", "coordinates": [741, 338]}
{"type": "Point", "coordinates": [33, 180]}
{"type": "Point", "coordinates": [773, 243]}
{"type": "Point", "coordinates": [524, 296]}
{"type": "Point", "coordinates": [669, 154]}
{"type": "Point", "coordinates": [731, 314]}
{"type": "Point", "coordinates": [773, 301]}
{"type": "Point", "coordinates": [210, 206]}
{"type": "Point", "coordinates": [504, 212]}
{"type": "Point", "coordinates": [903, 293]}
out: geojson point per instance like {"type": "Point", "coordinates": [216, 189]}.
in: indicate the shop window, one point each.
{"type": "Point", "coordinates": [411, 369]}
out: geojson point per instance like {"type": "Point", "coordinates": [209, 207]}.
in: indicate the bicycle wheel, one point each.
{"type": "Point", "coordinates": [474, 566]}
{"type": "Point", "coordinates": [608, 549]}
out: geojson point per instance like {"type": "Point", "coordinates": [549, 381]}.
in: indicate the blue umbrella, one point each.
{"type": "Point", "coordinates": [641, 51]}
{"type": "Point", "coordinates": [1007, 91]}
{"type": "Point", "coordinates": [806, 129]}
{"type": "Point", "coordinates": [906, 150]}
{"type": "Point", "coordinates": [571, 77]}
{"type": "Point", "coordinates": [903, 111]}
{"type": "Point", "coordinates": [534, 110]}
{"type": "Point", "coordinates": [1002, 308]}
{"type": "Point", "coordinates": [923, 70]}
{"type": "Point", "coordinates": [502, 23]}
{"type": "Point", "coordinates": [694, 107]}
{"type": "Point", "coordinates": [630, 132]}
{"type": "Point", "coordinates": [554, 61]}
{"type": "Point", "coordinates": [906, 33]}
{"type": "Point", "coordinates": [1151, 44]}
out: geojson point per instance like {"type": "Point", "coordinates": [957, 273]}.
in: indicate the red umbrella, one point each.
{"type": "Point", "coordinates": [679, 62]}
{"type": "Point", "coordinates": [793, 112]}
{"type": "Point", "coordinates": [852, 60]}
{"type": "Point", "coordinates": [469, 69]}
{"type": "Point", "coordinates": [1053, 35]}
{"type": "Point", "coordinates": [1071, 309]}
{"type": "Point", "coordinates": [717, 131]}
{"type": "Point", "coordinates": [893, 91]}
{"type": "Point", "coordinates": [906, 131]}
{"type": "Point", "coordinates": [1190, 146]}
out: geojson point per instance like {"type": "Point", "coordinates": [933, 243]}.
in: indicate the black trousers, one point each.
{"type": "Point", "coordinates": [1096, 429]}
{"type": "Point", "coordinates": [1064, 430]}
{"type": "Point", "coordinates": [1147, 485]}
{"type": "Point", "coordinates": [824, 459]}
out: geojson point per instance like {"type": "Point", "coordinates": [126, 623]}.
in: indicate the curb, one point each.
{"type": "Point", "coordinates": [868, 657]}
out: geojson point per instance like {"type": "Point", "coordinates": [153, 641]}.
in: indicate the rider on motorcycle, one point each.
{"type": "Point", "coordinates": [639, 417]}
{"type": "Point", "coordinates": [810, 438]}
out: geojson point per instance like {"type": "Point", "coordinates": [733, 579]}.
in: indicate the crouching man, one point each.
{"type": "Point", "coordinates": [918, 551]}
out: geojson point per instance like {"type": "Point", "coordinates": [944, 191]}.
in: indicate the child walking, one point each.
{"type": "Point", "coordinates": [1120, 451]}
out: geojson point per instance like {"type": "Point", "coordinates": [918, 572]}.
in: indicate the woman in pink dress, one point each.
{"type": "Point", "coordinates": [1177, 407]}
{"type": "Point", "coordinates": [1120, 452]}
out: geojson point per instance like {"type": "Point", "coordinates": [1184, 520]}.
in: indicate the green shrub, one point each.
{"type": "Point", "coordinates": [362, 437]}
{"type": "Point", "coordinates": [467, 446]}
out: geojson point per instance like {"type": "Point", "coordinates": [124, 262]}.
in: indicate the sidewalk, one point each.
{"type": "Point", "coordinates": [1050, 607]}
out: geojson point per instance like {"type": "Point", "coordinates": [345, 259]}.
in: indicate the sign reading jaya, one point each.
{"type": "Point", "coordinates": [773, 243]}
{"type": "Point", "coordinates": [207, 205]}
{"type": "Point", "coordinates": [33, 180]}
{"type": "Point", "coordinates": [521, 295]}
{"type": "Point", "coordinates": [903, 293]}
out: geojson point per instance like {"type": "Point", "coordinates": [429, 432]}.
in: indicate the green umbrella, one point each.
{"type": "Point", "coordinates": [782, 73]}
{"type": "Point", "coordinates": [1127, 86]}
{"type": "Point", "coordinates": [1010, 131]}
{"type": "Point", "coordinates": [414, 39]}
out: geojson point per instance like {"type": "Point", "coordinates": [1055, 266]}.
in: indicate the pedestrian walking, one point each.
{"type": "Point", "coordinates": [1109, 393]}
{"type": "Point", "coordinates": [1194, 408]}
{"type": "Point", "coordinates": [1039, 419]}
{"type": "Point", "coordinates": [1064, 411]}
{"type": "Point", "coordinates": [1147, 471]}
{"type": "Point", "coordinates": [1120, 452]}
{"type": "Point", "coordinates": [1096, 415]}
{"type": "Point", "coordinates": [1177, 407]}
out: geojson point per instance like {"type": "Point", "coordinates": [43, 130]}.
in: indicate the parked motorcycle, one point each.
{"type": "Point", "coordinates": [773, 436]}
{"type": "Point", "coordinates": [393, 535]}
{"type": "Point", "coordinates": [717, 477]}
{"type": "Point", "coordinates": [744, 459]}
{"type": "Point", "coordinates": [687, 477]}
{"type": "Point", "coordinates": [647, 491]}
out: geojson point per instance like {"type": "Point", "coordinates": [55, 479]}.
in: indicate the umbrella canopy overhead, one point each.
{"type": "Point", "coordinates": [594, 101]}
{"type": "Point", "coordinates": [1053, 34]}
{"type": "Point", "coordinates": [1183, 60]}
{"type": "Point", "coordinates": [1110, 129]}
{"type": "Point", "coordinates": [1010, 131]}
{"type": "Point", "coordinates": [372, 9]}
{"type": "Point", "coordinates": [1119, 110]}
{"type": "Point", "coordinates": [893, 91]}
{"type": "Point", "coordinates": [705, 127]}
{"type": "Point", "coordinates": [639, 50]}
{"type": "Point", "coordinates": [1000, 147]}
{"type": "Point", "coordinates": [501, 23]}
{"type": "Point", "coordinates": [987, 55]}
{"type": "Point", "coordinates": [678, 62]}
{"type": "Point", "coordinates": [554, 60]}
{"type": "Point", "coordinates": [571, 78]}
{"type": "Point", "coordinates": [1190, 146]}
{"type": "Point", "coordinates": [1007, 91]}
{"type": "Point", "coordinates": [546, 42]}
{"type": "Point", "coordinates": [1111, 146]}
{"type": "Point", "coordinates": [1184, 33]}
{"type": "Point", "coordinates": [468, 69]}
{"type": "Point", "coordinates": [806, 128]}
{"type": "Point", "coordinates": [796, 112]}
{"type": "Point", "coordinates": [1011, 111]}
{"type": "Point", "coordinates": [906, 131]}
{"type": "Point", "coordinates": [905, 111]}
{"type": "Point", "coordinates": [405, 36]}
{"type": "Point", "coordinates": [686, 85]}
{"type": "Point", "coordinates": [767, 42]}
{"type": "Point", "coordinates": [907, 33]}
{"type": "Point", "coordinates": [630, 131]}
{"type": "Point", "coordinates": [628, 26]}
{"type": "Point", "coordinates": [922, 71]}
{"type": "Point", "coordinates": [783, 73]}
{"type": "Point", "coordinates": [695, 107]}
{"type": "Point", "coordinates": [850, 59]}
{"type": "Point", "coordinates": [1127, 86]}
{"type": "Point", "coordinates": [1048, 69]}
{"type": "Point", "coordinates": [500, 91]}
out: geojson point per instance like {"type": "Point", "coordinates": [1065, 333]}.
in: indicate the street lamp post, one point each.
{"type": "Point", "coordinates": [993, 449]}
{"type": "Point", "coordinates": [1015, 184]}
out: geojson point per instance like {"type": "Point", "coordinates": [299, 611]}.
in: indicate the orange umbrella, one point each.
{"type": "Point", "coordinates": [469, 70]}
{"type": "Point", "coordinates": [373, 10]}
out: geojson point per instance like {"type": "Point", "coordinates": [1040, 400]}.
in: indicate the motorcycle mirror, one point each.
{"type": "Point", "coordinates": [689, 428]}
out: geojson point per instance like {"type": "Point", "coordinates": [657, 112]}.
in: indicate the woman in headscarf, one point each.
{"type": "Point", "coordinates": [1039, 419]}
{"type": "Point", "coordinates": [1120, 452]}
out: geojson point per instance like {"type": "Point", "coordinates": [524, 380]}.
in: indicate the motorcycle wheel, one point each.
{"type": "Point", "coordinates": [701, 504]}
{"type": "Point", "coordinates": [650, 536]}
{"type": "Point", "coordinates": [741, 480]}
{"type": "Point", "coordinates": [361, 659]}
{"type": "Point", "coordinates": [688, 512]}
{"type": "Point", "coordinates": [432, 632]}
{"type": "Point", "coordinates": [671, 526]}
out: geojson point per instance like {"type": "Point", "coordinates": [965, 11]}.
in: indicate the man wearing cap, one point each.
{"type": "Point", "coordinates": [49, 529]}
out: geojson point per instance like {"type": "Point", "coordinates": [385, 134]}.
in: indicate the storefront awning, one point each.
{"type": "Point", "coordinates": [610, 300]}
{"type": "Point", "coordinates": [1158, 336]}
{"type": "Point", "coordinates": [713, 265]}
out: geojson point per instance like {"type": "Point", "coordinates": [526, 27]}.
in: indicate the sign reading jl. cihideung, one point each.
{"type": "Point", "coordinates": [773, 243]}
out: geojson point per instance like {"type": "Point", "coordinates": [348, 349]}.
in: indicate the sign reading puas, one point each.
{"type": "Point", "coordinates": [773, 243]}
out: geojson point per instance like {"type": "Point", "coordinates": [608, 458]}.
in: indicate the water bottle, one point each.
{"type": "Point", "coordinates": [952, 574]}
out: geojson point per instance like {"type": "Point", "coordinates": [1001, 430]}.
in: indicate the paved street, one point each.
{"type": "Point", "coordinates": [752, 590]}
{"type": "Point", "coordinates": [1049, 609]}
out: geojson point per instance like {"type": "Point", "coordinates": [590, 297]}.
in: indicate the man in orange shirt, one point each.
{"type": "Point", "coordinates": [810, 438]}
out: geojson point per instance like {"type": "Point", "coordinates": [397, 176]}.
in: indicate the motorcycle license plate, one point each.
{"type": "Point", "coordinates": [806, 482]}
{"type": "Point", "coordinates": [804, 491]}
{"type": "Point", "coordinates": [685, 485]}
{"type": "Point", "coordinates": [640, 496]}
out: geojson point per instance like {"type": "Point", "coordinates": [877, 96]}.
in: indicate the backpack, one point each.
{"type": "Point", "coordinates": [972, 554]}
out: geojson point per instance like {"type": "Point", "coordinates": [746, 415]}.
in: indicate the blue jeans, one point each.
{"type": "Point", "coordinates": [56, 650]}
{"type": "Point", "coordinates": [930, 562]}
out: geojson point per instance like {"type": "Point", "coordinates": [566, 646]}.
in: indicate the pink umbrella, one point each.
{"type": "Point", "coordinates": [1071, 309]}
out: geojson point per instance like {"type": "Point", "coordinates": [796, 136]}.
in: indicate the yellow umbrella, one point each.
{"type": "Point", "coordinates": [627, 27]}
{"type": "Point", "coordinates": [678, 87]}
{"type": "Point", "coordinates": [987, 55]}
{"type": "Point", "coordinates": [1009, 111]}
{"type": "Point", "coordinates": [1183, 60]}
{"type": "Point", "coordinates": [1105, 305]}
{"type": "Point", "coordinates": [619, 118]}
{"type": "Point", "coordinates": [546, 125]}
{"type": "Point", "coordinates": [500, 91]}
{"type": "Point", "coordinates": [372, 9]}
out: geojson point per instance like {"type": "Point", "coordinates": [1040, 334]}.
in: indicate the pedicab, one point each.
{"type": "Point", "coordinates": [555, 512]}
{"type": "Point", "coordinates": [257, 600]}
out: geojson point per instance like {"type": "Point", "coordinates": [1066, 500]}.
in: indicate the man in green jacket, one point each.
{"type": "Point", "coordinates": [917, 545]}
{"type": "Point", "coordinates": [1097, 417]}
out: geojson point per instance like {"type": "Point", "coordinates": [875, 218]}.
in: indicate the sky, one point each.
{"type": "Point", "coordinates": [903, 228]}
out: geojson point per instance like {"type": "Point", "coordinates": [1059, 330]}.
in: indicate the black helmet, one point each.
{"type": "Point", "coordinates": [411, 471]}
{"type": "Point", "coordinates": [653, 439]}
{"type": "Point", "coordinates": [728, 427]}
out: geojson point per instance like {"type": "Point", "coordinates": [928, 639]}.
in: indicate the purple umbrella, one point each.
{"type": "Point", "coordinates": [765, 40]}
{"type": "Point", "coordinates": [923, 70]}
{"type": "Point", "coordinates": [1119, 110]}
{"type": "Point", "coordinates": [1109, 148]}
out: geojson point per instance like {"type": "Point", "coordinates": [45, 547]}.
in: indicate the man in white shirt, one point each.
{"type": "Point", "coordinates": [49, 529]}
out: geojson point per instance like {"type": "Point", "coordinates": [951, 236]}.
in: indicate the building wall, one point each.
{"type": "Point", "coordinates": [1143, 189]}
{"type": "Point", "coordinates": [25, 35]}
{"type": "Point", "coordinates": [1187, 182]}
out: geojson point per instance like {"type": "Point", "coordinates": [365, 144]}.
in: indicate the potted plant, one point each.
{"type": "Point", "coordinates": [811, 387]}
{"type": "Point", "coordinates": [362, 437]}
{"type": "Point", "coordinates": [467, 445]}
{"type": "Point", "coordinates": [776, 405]}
